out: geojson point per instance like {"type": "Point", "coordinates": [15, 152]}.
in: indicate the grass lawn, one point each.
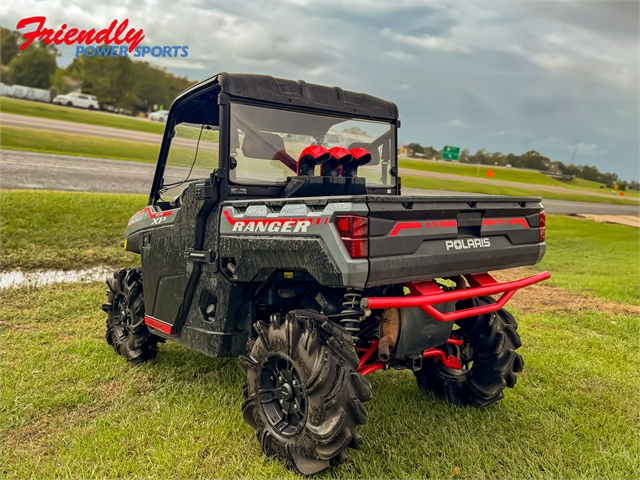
{"type": "Point", "coordinates": [31, 140]}
{"type": "Point", "coordinates": [45, 141]}
{"type": "Point", "coordinates": [593, 258]}
{"type": "Point", "coordinates": [69, 114]}
{"type": "Point", "coordinates": [72, 408]}
{"type": "Point", "coordinates": [504, 174]}
{"type": "Point", "coordinates": [65, 230]}
{"type": "Point", "coordinates": [464, 186]}
{"type": "Point", "coordinates": [583, 256]}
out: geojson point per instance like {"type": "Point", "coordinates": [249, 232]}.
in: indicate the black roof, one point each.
{"type": "Point", "coordinates": [299, 93]}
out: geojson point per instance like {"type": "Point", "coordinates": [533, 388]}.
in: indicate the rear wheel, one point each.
{"type": "Point", "coordinates": [488, 357]}
{"type": "Point", "coordinates": [69, 104]}
{"type": "Point", "coordinates": [126, 331]}
{"type": "Point", "coordinates": [303, 395]}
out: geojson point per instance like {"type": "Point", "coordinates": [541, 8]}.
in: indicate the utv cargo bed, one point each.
{"type": "Point", "coordinates": [407, 238]}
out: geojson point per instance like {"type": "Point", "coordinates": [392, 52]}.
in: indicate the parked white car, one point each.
{"type": "Point", "coordinates": [79, 100]}
{"type": "Point", "coordinates": [159, 116]}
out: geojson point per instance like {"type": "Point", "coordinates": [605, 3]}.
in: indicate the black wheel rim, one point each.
{"type": "Point", "coordinates": [282, 395]}
{"type": "Point", "coordinates": [121, 317]}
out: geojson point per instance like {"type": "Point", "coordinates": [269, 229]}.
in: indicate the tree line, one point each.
{"type": "Point", "coordinates": [530, 159]}
{"type": "Point", "coordinates": [118, 82]}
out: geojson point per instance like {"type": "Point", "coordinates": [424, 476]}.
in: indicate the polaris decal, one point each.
{"type": "Point", "coordinates": [467, 243]}
{"type": "Point", "coordinates": [273, 225]}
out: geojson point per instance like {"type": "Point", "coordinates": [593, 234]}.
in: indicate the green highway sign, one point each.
{"type": "Point", "coordinates": [450, 153]}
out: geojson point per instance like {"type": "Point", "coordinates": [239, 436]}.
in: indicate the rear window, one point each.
{"type": "Point", "coordinates": [265, 143]}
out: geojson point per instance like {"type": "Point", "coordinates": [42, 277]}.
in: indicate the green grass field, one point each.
{"type": "Point", "coordinates": [593, 258]}
{"type": "Point", "coordinates": [505, 174]}
{"type": "Point", "coordinates": [44, 141]}
{"type": "Point", "coordinates": [72, 408]}
{"type": "Point", "coordinates": [463, 186]}
{"type": "Point", "coordinates": [69, 114]}
{"type": "Point", "coordinates": [583, 256]}
{"type": "Point", "coordinates": [65, 230]}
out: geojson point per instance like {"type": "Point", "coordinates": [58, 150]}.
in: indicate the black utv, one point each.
{"type": "Point", "coordinates": [276, 231]}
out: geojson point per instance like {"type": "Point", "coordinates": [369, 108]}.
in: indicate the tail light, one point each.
{"type": "Point", "coordinates": [354, 232]}
{"type": "Point", "coordinates": [542, 226]}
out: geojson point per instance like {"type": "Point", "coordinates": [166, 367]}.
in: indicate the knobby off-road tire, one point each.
{"type": "Point", "coordinates": [488, 356]}
{"type": "Point", "coordinates": [126, 330]}
{"type": "Point", "coordinates": [303, 395]}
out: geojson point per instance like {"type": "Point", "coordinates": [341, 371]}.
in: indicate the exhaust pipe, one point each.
{"type": "Point", "coordinates": [390, 330]}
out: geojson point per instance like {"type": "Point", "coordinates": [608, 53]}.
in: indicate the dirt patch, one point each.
{"type": "Point", "coordinates": [540, 297]}
{"type": "Point", "coordinates": [629, 220]}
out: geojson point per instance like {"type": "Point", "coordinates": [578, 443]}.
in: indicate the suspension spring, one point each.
{"type": "Point", "coordinates": [352, 314]}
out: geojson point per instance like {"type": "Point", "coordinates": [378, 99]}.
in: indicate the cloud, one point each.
{"type": "Point", "coordinates": [559, 143]}
{"type": "Point", "coordinates": [399, 55]}
{"type": "Point", "coordinates": [504, 76]}
{"type": "Point", "coordinates": [455, 123]}
{"type": "Point", "coordinates": [590, 149]}
{"type": "Point", "coordinates": [427, 41]}
{"type": "Point", "coordinates": [515, 133]}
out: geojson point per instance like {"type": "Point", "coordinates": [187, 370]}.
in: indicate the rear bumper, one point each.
{"type": "Point", "coordinates": [427, 294]}
{"type": "Point", "coordinates": [412, 268]}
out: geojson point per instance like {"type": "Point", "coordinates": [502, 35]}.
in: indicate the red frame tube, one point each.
{"type": "Point", "coordinates": [368, 352]}
{"type": "Point", "coordinates": [451, 361]}
{"type": "Point", "coordinates": [424, 295]}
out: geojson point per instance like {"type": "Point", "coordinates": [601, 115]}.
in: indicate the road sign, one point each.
{"type": "Point", "coordinates": [450, 153]}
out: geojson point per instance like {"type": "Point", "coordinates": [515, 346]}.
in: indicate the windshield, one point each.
{"type": "Point", "coordinates": [266, 143]}
{"type": "Point", "coordinates": [193, 155]}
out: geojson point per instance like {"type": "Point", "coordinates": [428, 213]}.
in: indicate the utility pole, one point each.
{"type": "Point", "coordinates": [573, 156]}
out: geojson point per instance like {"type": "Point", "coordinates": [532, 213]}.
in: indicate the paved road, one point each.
{"type": "Point", "coordinates": [28, 170]}
{"type": "Point", "coordinates": [156, 139]}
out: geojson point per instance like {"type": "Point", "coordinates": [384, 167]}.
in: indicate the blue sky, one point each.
{"type": "Point", "coordinates": [504, 76]}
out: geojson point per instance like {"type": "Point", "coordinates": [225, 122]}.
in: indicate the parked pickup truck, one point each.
{"type": "Point", "coordinates": [275, 231]}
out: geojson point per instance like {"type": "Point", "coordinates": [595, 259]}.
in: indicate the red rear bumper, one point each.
{"type": "Point", "coordinates": [426, 294]}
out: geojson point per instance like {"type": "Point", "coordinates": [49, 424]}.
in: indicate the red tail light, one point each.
{"type": "Point", "coordinates": [542, 226]}
{"type": "Point", "coordinates": [354, 232]}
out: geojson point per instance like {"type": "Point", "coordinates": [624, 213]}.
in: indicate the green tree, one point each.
{"type": "Point", "coordinates": [112, 79]}
{"type": "Point", "coordinates": [9, 47]}
{"type": "Point", "coordinates": [156, 86]}
{"type": "Point", "coordinates": [34, 66]}
{"type": "Point", "coordinates": [416, 147]}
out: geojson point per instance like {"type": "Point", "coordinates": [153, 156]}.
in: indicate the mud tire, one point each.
{"type": "Point", "coordinates": [126, 331]}
{"type": "Point", "coordinates": [322, 356]}
{"type": "Point", "coordinates": [493, 340]}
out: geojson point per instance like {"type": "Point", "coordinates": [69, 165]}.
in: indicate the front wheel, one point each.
{"type": "Point", "coordinates": [487, 354]}
{"type": "Point", "coordinates": [126, 331]}
{"type": "Point", "coordinates": [303, 395]}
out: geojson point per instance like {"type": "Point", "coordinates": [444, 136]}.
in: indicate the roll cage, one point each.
{"type": "Point", "coordinates": [209, 103]}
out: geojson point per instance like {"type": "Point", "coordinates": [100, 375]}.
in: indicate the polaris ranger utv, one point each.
{"type": "Point", "coordinates": [275, 232]}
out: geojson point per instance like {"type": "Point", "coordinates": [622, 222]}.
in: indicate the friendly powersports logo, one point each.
{"type": "Point", "coordinates": [113, 41]}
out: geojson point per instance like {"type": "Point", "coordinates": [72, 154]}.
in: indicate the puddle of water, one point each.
{"type": "Point", "coordinates": [40, 278]}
